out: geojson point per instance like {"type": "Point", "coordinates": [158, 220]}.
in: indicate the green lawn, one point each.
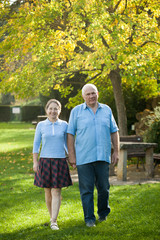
{"type": "Point", "coordinates": [135, 209]}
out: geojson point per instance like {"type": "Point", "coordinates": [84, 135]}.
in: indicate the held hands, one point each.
{"type": "Point", "coordinates": [72, 162]}
{"type": "Point", "coordinates": [73, 165]}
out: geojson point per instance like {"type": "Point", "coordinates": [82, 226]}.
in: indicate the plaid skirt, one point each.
{"type": "Point", "coordinates": [52, 173]}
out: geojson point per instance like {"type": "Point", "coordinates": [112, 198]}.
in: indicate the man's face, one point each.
{"type": "Point", "coordinates": [90, 96]}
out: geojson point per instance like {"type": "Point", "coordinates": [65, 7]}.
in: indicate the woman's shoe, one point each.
{"type": "Point", "coordinates": [54, 226]}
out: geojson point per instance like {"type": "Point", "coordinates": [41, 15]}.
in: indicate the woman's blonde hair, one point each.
{"type": "Point", "coordinates": [53, 101]}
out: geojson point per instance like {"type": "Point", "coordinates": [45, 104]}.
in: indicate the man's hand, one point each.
{"type": "Point", "coordinates": [115, 158]}
{"type": "Point", "coordinates": [116, 148]}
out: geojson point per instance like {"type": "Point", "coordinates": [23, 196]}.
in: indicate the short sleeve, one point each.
{"type": "Point", "coordinates": [72, 123]}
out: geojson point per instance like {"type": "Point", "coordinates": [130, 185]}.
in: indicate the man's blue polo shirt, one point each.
{"type": "Point", "coordinates": [92, 133]}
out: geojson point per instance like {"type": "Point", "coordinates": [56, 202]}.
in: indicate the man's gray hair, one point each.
{"type": "Point", "coordinates": [88, 85]}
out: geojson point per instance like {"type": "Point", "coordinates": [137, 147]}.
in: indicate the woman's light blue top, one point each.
{"type": "Point", "coordinates": [53, 137]}
{"type": "Point", "coordinates": [93, 133]}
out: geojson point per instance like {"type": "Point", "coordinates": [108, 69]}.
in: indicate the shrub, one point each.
{"type": "Point", "coordinates": [30, 113]}
{"type": "Point", "coordinates": [5, 113]}
{"type": "Point", "coordinates": [152, 134]}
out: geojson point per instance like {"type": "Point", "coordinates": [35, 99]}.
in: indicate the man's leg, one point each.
{"type": "Point", "coordinates": [86, 186]}
{"type": "Point", "coordinates": [102, 184]}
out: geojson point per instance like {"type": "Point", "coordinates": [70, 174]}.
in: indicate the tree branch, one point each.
{"type": "Point", "coordinates": [104, 41]}
{"type": "Point", "coordinates": [126, 4]}
{"type": "Point", "coordinates": [105, 27]}
{"type": "Point", "coordinates": [146, 42]}
{"type": "Point", "coordinates": [98, 74]}
{"type": "Point", "coordinates": [84, 47]}
{"type": "Point", "coordinates": [71, 82]}
{"type": "Point", "coordinates": [111, 9]}
{"type": "Point", "coordinates": [132, 34]}
{"type": "Point", "coordinates": [115, 8]}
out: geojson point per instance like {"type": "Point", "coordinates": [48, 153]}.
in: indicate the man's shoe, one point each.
{"type": "Point", "coordinates": [102, 219]}
{"type": "Point", "coordinates": [90, 224]}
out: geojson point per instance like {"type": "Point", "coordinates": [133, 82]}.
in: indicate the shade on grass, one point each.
{"type": "Point", "coordinates": [23, 214]}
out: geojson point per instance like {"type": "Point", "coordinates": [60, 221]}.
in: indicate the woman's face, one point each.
{"type": "Point", "coordinates": [53, 112]}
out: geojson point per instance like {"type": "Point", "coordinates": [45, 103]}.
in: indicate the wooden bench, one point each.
{"type": "Point", "coordinates": [139, 153]}
{"type": "Point", "coordinates": [125, 147]}
{"type": "Point", "coordinates": [39, 118]}
{"type": "Point", "coordinates": [131, 138]}
{"type": "Point", "coordinates": [34, 123]}
{"type": "Point", "coordinates": [156, 157]}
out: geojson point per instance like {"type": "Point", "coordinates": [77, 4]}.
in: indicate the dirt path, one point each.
{"type": "Point", "coordinates": [134, 176]}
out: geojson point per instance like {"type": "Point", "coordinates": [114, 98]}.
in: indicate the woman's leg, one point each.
{"type": "Point", "coordinates": [56, 202]}
{"type": "Point", "coordinates": [48, 199]}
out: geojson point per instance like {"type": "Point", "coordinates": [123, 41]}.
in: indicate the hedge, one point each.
{"type": "Point", "coordinates": [30, 113]}
{"type": "Point", "coordinates": [27, 113]}
{"type": "Point", "coordinates": [5, 113]}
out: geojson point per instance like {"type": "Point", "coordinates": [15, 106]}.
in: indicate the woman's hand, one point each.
{"type": "Point", "coordinates": [35, 162]}
{"type": "Point", "coordinates": [35, 166]}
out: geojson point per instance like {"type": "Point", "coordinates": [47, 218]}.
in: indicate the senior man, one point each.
{"type": "Point", "coordinates": [91, 131]}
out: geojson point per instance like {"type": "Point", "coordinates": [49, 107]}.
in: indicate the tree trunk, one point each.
{"type": "Point", "coordinates": [119, 100]}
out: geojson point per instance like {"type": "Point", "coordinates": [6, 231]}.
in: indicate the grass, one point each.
{"type": "Point", "coordinates": [15, 136]}
{"type": "Point", "coordinates": [23, 214]}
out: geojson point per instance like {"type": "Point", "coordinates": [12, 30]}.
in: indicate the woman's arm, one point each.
{"type": "Point", "coordinates": [36, 147]}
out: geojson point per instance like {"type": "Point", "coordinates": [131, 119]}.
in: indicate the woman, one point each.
{"type": "Point", "coordinates": [51, 171]}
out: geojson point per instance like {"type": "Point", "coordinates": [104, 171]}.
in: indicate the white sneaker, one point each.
{"type": "Point", "coordinates": [54, 226]}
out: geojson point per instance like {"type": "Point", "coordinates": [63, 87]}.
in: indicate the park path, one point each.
{"type": "Point", "coordinates": [134, 176]}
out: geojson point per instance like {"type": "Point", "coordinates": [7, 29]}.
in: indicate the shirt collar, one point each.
{"type": "Point", "coordinates": [85, 105]}
{"type": "Point", "coordinates": [58, 122]}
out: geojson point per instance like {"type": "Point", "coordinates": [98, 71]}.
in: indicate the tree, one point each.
{"type": "Point", "coordinates": [50, 41]}
{"type": "Point", "coordinates": [6, 99]}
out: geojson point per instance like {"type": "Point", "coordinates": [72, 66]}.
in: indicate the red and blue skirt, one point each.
{"type": "Point", "coordinates": [52, 173]}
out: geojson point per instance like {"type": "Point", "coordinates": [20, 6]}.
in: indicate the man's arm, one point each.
{"type": "Point", "coordinates": [116, 147]}
{"type": "Point", "coordinates": [71, 150]}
